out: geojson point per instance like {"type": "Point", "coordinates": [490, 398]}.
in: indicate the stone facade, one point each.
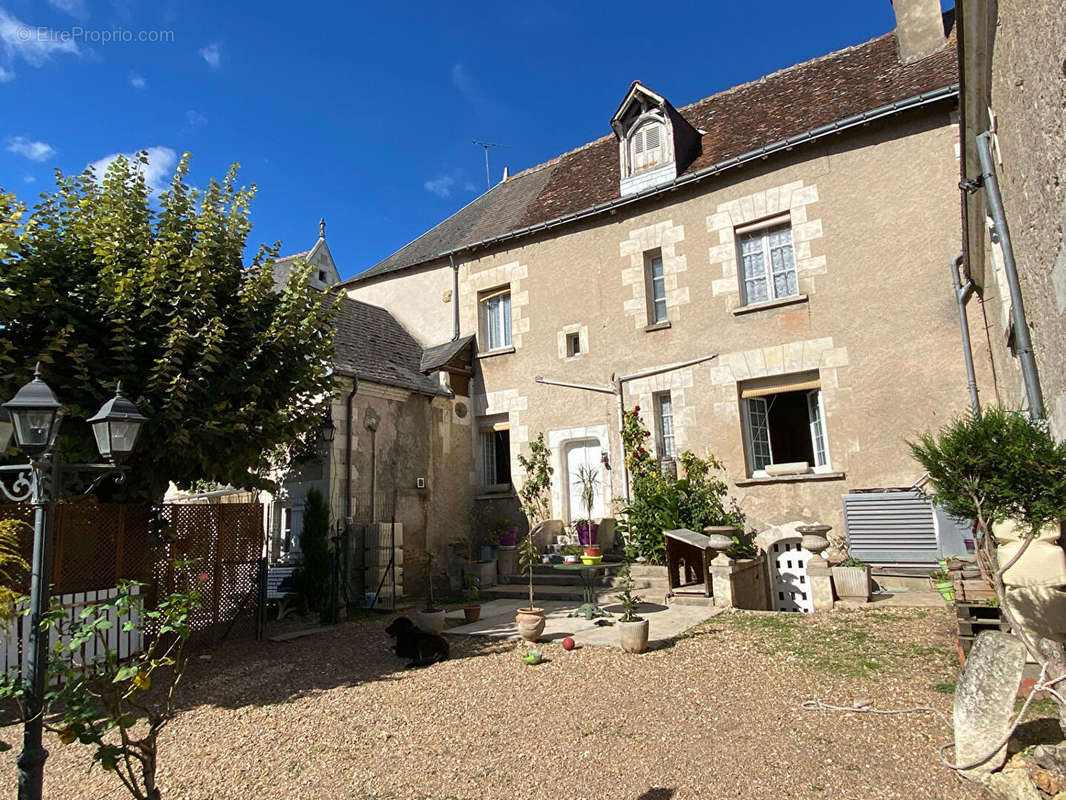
{"type": "Point", "coordinates": [1014, 82]}
{"type": "Point", "coordinates": [873, 217]}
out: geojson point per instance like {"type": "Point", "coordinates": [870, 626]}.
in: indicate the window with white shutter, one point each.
{"type": "Point", "coordinates": [646, 146]}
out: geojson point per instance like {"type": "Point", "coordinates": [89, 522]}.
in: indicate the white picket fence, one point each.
{"type": "Point", "coordinates": [15, 634]}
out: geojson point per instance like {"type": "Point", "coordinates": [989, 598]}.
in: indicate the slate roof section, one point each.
{"type": "Point", "coordinates": [371, 344]}
{"type": "Point", "coordinates": [774, 108]}
{"type": "Point", "coordinates": [282, 269]}
{"type": "Point", "coordinates": [435, 357]}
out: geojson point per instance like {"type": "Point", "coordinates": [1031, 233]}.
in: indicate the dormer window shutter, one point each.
{"type": "Point", "coordinates": [646, 146]}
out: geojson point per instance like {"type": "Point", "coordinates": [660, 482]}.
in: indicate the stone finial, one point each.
{"type": "Point", "coordinates": [322, 228]}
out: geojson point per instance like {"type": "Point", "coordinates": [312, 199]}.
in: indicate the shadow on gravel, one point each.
{"type": "Point", "coordinates": [657, 793]}
{"type": "Point", "coordinates": [236, 674]}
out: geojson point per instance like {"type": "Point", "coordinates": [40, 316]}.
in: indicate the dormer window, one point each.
{"type": "Point", "coordinates": [647, 146]}
{"type": "Point", "coordinates": [655, 143]}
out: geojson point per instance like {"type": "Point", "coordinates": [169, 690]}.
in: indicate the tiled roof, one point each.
{"type": "Point", "coordinates": [774, 108]}
{"type": "Point", "coordinates": [437, 356]}
{"type": "Point", "coordinates": [373, 346]}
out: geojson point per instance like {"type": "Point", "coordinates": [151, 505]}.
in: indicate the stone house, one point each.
{"type": "Point", "coordinates": [1013, 86]}
{"type": "Point", "coordinates": [762, 272]}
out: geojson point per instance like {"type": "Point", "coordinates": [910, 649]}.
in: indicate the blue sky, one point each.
{"type": "Point", "coordinates": [364, 113]}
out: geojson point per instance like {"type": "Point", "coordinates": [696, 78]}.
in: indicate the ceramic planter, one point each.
{"type": "Point", "coordinates": [430, 620]}
{"type": "Point", "coordinates": [592, 550]}
{"type": "Point", "coordinates": [509, 536]}
{"type": "Point", "coordinates": [472, 613]}
{"type": "Point", "coordinates": [852, 583]}
{"type": "Point", "coordinates": [530, 622]}
{"type": "Point", "coordinates": [633, 636]}
{"type": "Point", "coordinates": [586, 533]}
{"type": "Point", "coordinates": [946, 589]}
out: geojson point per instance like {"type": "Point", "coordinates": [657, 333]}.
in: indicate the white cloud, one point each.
{"type": "Point", "coordinates": [194, 119]}
{"type": "Point", "coordinates": [27, 178]}
{"type": "Point", "coordinates": [76, 8]}
{"type": "Point", "coordinates": [462, 80]}
{"type": "Point", "coordinates": [470, 186]}
{"type": "Point", "coordinates": [212, 54]}
{"type": "Point", "coordinates": [157, 172]}
{"type": "Point", "coordinates": [137, 81]}
{"type": "Point", "coordinates": [33, 44]}
{"type": "Point", "coordinates": [442, 186]}
{"type": "Point", "coordinates": [34, 151]}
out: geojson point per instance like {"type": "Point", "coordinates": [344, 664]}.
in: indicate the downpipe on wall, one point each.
{"type": "Point", "coordinates": [1022, 340]}
{"type": "Point", "coordinates": [962, 294]}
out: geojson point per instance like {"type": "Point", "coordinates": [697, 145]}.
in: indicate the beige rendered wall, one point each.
{"type": "Point", "coordinates": [1028, 99]}
{"type": "Point", "coordinates": [420, 300]}
{"type": "Point", "coordinates": [875, 226]}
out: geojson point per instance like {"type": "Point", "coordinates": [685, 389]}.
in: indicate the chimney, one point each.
{"type": "Point", "coordinates": [505, 175]}
{"type": "Point", "coordinates": [919, 29]}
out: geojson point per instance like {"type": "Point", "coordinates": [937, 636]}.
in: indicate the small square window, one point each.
{"type": "Point", "coordinates": [573, 344]}
{"type": "Point", "coordinates": [322, 275]}
{"type": "Point", "coordinates": [655, 286]}
{"type": "Point", "coordinates": [767, 263]}
{"type": "Point", "coordinates": [495, 319]}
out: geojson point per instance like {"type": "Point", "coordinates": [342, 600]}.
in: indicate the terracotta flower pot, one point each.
{"type": "Point", "coordinates": [472, 613]}
{"type": "Point", "coordinates": [592, 550]}
{"type": "Point", "coordinates": [530, 622]}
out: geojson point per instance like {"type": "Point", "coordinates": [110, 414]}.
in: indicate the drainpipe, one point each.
{"type": "Point", "coordinates": [962, 294]}
{"type": "Point", "coordinates": [1022, 340]}
{"type": "Point", "coordinates": [348, 453]}
{"type": "Point", "coordinates": [455, 297]}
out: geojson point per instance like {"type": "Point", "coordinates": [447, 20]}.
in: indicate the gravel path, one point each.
{"type": "Point", "coordinates": [717, 715]}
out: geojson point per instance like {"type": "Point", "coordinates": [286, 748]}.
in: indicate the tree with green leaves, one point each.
{"type": "Point", "coordinates": [13, 567]}
{"type": "Point", "coordinates": [312, 576]}
{"type": "Point", "coordinates": [102, 281]}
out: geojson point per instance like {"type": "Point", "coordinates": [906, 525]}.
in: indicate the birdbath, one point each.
{"type": "Point", "coordinates": [720, 539]}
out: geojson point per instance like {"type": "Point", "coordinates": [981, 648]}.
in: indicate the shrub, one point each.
{"type": "Point", "coordinates": [312, 576]}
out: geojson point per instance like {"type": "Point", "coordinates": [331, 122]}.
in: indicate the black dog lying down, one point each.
{"type": "Point", "coordinates": [411, 642]}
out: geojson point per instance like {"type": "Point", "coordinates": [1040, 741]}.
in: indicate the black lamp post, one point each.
{"type": "Point", "coordinates": [34, 415]}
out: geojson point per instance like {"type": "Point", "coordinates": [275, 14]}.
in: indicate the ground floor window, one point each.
{"type": "Point", "coordinates": [495, 442]}
{"type": "Point", "coordinates": [784, 422]}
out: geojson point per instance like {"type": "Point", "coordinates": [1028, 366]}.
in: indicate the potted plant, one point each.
{"type": "Point", "coordinates": [588, 476]}
{"type": "Point", "coordinates": [632, 630]}
{"type": "Point", "coordinates": [571, 553]}
{"type": "Point", "coordinates": [430, 619]}
{"type": "Point", "coordinates": [507, 534]}
{"type": "Point", "coordinates": [942, 582]}
{"type": "Point", "coordinates": [489, 541]}
{"type": "Point", "coordinates": [472, 595]}
{"type": "Point", "coordinates": [851, 579]}
{"type": "Point", "coordinates": [530, 620]}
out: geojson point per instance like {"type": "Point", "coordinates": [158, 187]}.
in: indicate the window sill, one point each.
{"type": "Point", "coordinates": [492, 493]}
{"type": "Point", "coordinates": [810, 476]}
{"type": "Point", "coordinates": [502, 351]}
{"type": "Point", "coordinates": [657, 326]}
{"type": "Point", "coordinates": [768, 304]}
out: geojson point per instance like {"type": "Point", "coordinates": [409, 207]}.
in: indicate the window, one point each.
{"type": "Point", "coordinates": [496, 457]}
{"type": "Point", "coordinates": [322, 275]}
{"type": "Point", "coordinates": [656, 287]}
{"type": "Point", "coordinates": [496, 319]}
{"type": "Point", "coordinates": [664, 412]}
{"type": "Point", "coordinates": [646, 146]}
{"type": "Point", "coordinates": [573, 344]}
{"type": "Point", "coordinates": [767, 265]}
{"type": "Point", "coordinates": [785, 424]}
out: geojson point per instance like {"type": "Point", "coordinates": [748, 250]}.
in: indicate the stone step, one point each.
{"type": "Point", "coordinates": [562, 579]}
{"type": "Point", "coordinates": [572, 593]}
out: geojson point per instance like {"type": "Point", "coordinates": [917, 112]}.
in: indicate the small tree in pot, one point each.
{"type": "Point", "coordinates": [633, 630]}
{"type": "Point", "coordinates": [589, 477]}
{"type": "Point", "coordinates": [430, 619]}
{"type": "Point", "coordinates": [535, 497]}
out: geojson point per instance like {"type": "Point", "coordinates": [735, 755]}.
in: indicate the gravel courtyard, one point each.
{"type": "Point", "coordinates": [715, 715]}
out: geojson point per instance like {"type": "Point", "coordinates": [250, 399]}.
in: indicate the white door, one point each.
{"type": "Point", "coordinates": [790, 585]}
{"type": "Point", "coordinates": [584, 455]}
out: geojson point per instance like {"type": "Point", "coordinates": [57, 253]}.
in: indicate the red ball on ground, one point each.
{"type": "Point", "coordinates": [568, 643]}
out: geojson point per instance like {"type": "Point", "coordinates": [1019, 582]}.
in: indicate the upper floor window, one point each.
{"type": "Point", "coordinates": [656, 286]}
{"type": "Point", "coordinates": [664, 412]}
{"type": "Point", "coordinates": [767, 264]}
{"type": "Point", "coordinates": [495, 322]}
{"type": "Point", "coordinates": [647, 145]}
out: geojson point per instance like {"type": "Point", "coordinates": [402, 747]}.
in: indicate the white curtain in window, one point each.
{"type": "Point", "coordinates": [666, 425]}
{"type": "Point", "coordinates": [768, 264]}
{"type": "Point", "coordinates": [658, 290]}
{"type": "Point", "coordinates": [488, 458]}
{"type": "Point", "coordinates": [497, 321]}
{"type": "Point", "coordinates": [754, 268]}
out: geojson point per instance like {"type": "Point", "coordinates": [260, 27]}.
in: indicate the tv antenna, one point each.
{"type": "Point", "coordinates": [486, 146]}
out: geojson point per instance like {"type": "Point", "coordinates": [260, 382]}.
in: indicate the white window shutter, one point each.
{"type": "Point", "coordinates": [757, 432]}
{"type": "Point", "coordinates": [817, 417]}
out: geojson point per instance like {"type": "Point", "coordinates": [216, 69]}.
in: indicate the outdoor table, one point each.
{"type": "Point", "coordinates": [588, 609]}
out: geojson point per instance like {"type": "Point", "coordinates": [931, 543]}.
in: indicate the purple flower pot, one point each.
{"type": "Point", "coordinates": [586, 533]}
{"type": "Point", "coordinates": [509, 537]}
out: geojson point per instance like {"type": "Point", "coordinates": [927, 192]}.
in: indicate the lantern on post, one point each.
{"type": "Point", "coordinates": [116, 426]}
